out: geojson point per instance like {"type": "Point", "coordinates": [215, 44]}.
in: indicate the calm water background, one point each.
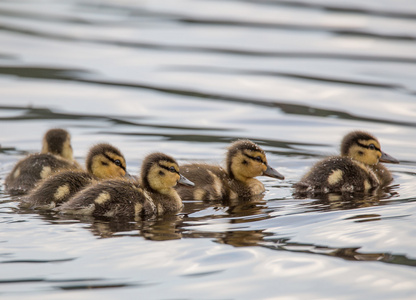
{"type": "Point", "coordinates": [186, 78]}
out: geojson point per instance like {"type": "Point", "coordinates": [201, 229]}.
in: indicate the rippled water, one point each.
{"type": "Point", "coordinates": [186, 78]}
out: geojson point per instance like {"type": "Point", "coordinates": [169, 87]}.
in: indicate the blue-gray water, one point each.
{"type": "Point", "coordinates": [186, 78]}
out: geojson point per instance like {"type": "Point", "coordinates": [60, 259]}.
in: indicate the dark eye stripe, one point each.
{"type": "Point", "coordinates": [368, 146]}
{"type": "Point", "coordinates": [253, 158]}
{"type": "Point", "coordinates": [168, 168]}
{"type": "Point", "coordinates": [114, 161]}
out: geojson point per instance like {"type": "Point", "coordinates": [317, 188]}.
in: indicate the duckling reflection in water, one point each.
{"type": "Point", "coordinates": [56, 155]}
{"type": "Point", "coordinates": [245, 160]}
{"type": "Point", "coordinates": [357, 169]}
{"type": "Point", "coordinates": [153, 195]}
{"type": "Point", "coordinates": [104, 161]}
{"type": "Point", "coordinates": [350, 200]}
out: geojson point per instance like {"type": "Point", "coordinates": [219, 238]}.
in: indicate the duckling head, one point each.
{"type": "Point", "coordinates": [57, 141]}
{"type": "Point", "coordinates": [160, 172]}
{"type": "Point", "coordinates": [246, 160]}
{"type": "Point", "coordinates": [106, 161]}
{"type": "Point", "coordinates": [364, 147]}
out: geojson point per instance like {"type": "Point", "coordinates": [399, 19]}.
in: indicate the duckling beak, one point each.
{"type": "Point", "coordinates": [185, 181]}
{"type": "Point", "coordinates": [387, 158]}
{"type": "Point", "coordinates": [273, 173]}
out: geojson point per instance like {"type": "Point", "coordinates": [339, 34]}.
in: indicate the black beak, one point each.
{"type": "Point", "coordinates": [387, 158]}
{"type": "Point", "coordinates": [273, 173]}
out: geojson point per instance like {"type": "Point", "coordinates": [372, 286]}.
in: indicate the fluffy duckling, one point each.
{"type": "Point", "coordinates": [357, 169]}
{"type": "Point", "coordinates": [56, 154]}
{"type": "Point", "coordinates": [153, 195]}
{"type": "Point", "coordinates": [244, 161]}
{"type": "Point", "coordinates": [104, 161]}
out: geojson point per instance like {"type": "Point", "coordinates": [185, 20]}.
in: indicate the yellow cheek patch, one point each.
{"type": "Point", "coordinates": [244, 164]}
{"type": "Point", "coordinates": [102, 198]}
{"type": "Point", "coordinates": [46, 171]}
{"type": "Point", "coordinates": [162, 179]}
{"type": "Point", "coordinates": [61, 192]}
{"type": "Point", "coordinates": [108, 169]}
{"type": "Point", "coordinates": [335, 177]}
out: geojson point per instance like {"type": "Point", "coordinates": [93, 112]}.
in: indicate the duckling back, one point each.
{"type": "Point", "coordinates": [211, 183]}
{"type": "Point", "coordinates": [32, 169]}
{"type": "Point", "coordinates": [111, 198]}
{"type": "Point", "coordinates": [57, 189]}
{"type": "Point", "coordinates": [337, 174]}
{"type": "Point", "coordinates": [56, 155]}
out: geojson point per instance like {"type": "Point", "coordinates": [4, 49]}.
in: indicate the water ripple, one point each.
{"type": "Point", "coordinates": [288, 108]}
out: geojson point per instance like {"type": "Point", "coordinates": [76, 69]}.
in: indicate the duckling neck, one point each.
{"type": "Point", "coordinates": [248, 187]}
{"type": "Point", "coordinates": [372, 174]}
{"type": "Point", "coordinates": [382, 173]}
{"type": "Point", "coordinates": [255, 186]}
{"type": "Point", "coordinates": [238, 177]}
{"type": "Point", "coordinates": [166, 200]}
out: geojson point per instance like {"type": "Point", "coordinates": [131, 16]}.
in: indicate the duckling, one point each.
{"type": "Point", "coordinates": [104, 161]}
{"type": "Point", "coordinates": [56, 154]}
{"type": "Point", "coordinates": [244, 161]}
{"type": "Point", "coordinates": [153, 195]}
{"type": "Point", "coordinates": [357, 169]}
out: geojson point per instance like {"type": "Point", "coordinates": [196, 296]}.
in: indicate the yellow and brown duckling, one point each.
{"type": "Point", "coordinates": [56, 155]}
{"type": "Point", "coordinates": [245, 160]}
{"type": "Point", "coordinates": [357, 169]}
{"type": "Point", "coordinates": [104, 161]}
{"type": "Point", "coordinates": [153, 195]}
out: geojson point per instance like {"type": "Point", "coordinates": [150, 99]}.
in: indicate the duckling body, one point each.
{"type": "Point", "coordinates": [104, 161]}
{"type": "Point", "coordinates": [357, 169]}
{"type": "Point", "coordinates": [153, 195]}
{"type": "Point", "coordinates": [56, 155]}
{"type": "Point", "coordinates": [111, 198]}
{"type": "Point", "coordinates": [245, 160]}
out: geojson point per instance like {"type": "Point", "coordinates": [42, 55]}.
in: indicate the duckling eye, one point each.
{"type": "Point", "coordinates": [172, 169]}
{"type": "Point", "coordinates": [372, 147]}
{"type": "Point", "coordinates": [258, 158]}
{"type": "Point", "coordinates": [117, 162]}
